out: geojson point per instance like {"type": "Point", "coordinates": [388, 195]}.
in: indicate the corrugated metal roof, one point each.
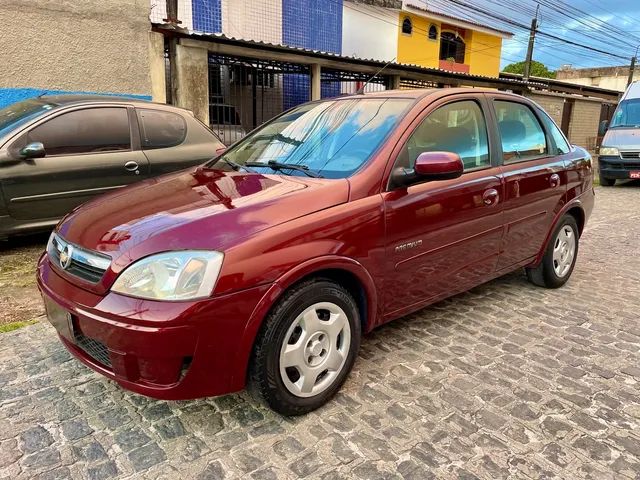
{"type": "Point", "coordinates": [464, 19]}
{"type": "Point", "coordinates": [337, 56]}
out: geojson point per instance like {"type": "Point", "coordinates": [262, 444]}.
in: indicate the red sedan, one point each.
{"type": "Point", "coordinates": [264, 267]}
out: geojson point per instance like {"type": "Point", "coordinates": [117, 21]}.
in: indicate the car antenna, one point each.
{"type": "Point", "coordinates": [361, 89]}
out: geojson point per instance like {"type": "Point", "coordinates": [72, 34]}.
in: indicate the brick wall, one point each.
{"type": "Point", "coordinates": [583, 129]}
{"type": "Point", "coordinates": [552, 104]}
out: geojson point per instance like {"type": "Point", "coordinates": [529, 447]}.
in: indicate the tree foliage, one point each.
{"type": "Point", "coordinates": [537, 69]}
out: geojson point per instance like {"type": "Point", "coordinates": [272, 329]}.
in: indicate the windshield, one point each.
{"type": "Point", "coordinates": [331, 139]}
{"type": "Point", "coordinates": [21, 112]}
{"type": "Point", "coordinates": [627, 114]}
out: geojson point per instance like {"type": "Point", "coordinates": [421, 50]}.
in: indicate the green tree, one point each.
{"type": "Point", "coordinates": [537, 69]}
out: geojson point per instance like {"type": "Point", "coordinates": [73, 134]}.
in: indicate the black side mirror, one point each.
{"type": "Point", "coordinates": [602, 129]}
{"type": "Point", "coordinates": [33, 150]}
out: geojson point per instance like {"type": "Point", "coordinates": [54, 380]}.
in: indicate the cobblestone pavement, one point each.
{"type": "Point", "coordinates": [506, 381]}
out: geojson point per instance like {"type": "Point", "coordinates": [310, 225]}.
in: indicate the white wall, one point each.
{"type": "Point", "coordinates": [369, 32]}
{"type": "Point", "coordinates": [253, 20]}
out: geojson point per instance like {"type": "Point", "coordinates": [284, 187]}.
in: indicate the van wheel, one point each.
{"type": "Point", "coordinates": [560, 256]}
{"type": "Point", "coordinates": [306, 348]}
{"type": "Point", "coordinates": [607, 182]}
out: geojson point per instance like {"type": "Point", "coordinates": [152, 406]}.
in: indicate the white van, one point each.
{"type": "Point", "coordinates": [620, 149]}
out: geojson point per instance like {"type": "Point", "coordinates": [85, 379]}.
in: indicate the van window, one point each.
{"type": "Point", "coordinates": [627, 115]}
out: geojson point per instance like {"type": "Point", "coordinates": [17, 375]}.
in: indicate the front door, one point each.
{"type": "Point", "coordinates": [443, 237]}
{"type": "Point", "coordinates": [535, 180]}
{"type": "Point", "coordinates": [89, 151]}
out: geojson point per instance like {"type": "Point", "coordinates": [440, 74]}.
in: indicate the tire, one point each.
{"type": "Point", "coordinates": [553, 273]}
{"type": "Point", "coordinates": [299, 338]}
{"type": "Point", "coordinates": [607, 182]}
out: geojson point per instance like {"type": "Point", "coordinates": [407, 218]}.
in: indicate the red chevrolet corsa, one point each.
{"type": "Point", "coordinates": [265, 266]}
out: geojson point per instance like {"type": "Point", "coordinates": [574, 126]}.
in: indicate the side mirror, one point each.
{"type": "Point", "coordinates": [602, 129]}
{"type": "Point", "coordinates": [33, 150]}
{"type": "Point", "coordinates": [429, 166]}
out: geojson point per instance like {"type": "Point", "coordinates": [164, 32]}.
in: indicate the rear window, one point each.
{"type": "Point", "coordinates": [160, 129]}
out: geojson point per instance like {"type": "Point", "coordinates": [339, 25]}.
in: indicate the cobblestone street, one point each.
{"type": "Point", "coordinates": [506, 381]}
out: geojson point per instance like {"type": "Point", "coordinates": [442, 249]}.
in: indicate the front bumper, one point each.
{"type": "Point", "coordinates": [618, 168]}
{"type": "Point", "coordinates": [166, 350]}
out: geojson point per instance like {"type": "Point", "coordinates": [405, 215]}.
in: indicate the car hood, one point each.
{"type": "Point", "coordinates": [622, 138]}
{"type": "Point", "coordinates": [197, 209]}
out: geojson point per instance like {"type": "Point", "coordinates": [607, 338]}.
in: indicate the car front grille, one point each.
{"type": "Point", "coordinates": [630, 155]}
{"type": "Point", "coordinates": [94, 348]}
{"type": "Point", "coordinates": [84, 264]}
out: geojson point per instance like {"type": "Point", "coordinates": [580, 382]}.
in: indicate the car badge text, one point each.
{"type": "Point", "coordinates": [408, 246]}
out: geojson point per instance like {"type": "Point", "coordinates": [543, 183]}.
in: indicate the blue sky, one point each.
{"type": "Point", "coordinates": [612, 26]}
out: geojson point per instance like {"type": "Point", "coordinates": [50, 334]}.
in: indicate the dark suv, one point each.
{"type": "Point", "coordinates": [57, 152]}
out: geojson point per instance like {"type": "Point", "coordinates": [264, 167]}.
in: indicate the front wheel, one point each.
{"type": "Point", "coordinates": [607, 182]}
{"type": "Point", "coordinates": [306, 348]}
{"type": "Point", "coordinates": [559, 257]}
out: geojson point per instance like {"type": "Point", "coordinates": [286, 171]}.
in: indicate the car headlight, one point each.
{"type": "Point", "coordinates": [183, 275]}
{"type": "Point", "coordinates": [612, 151]}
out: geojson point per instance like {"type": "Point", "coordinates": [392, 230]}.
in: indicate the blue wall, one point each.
{"type": "Point", "coordinates": [314, 24]}
{"type": "Point", "coordinates": [207, 15]}
{"type": "Point", "coordinates": [12, 95]}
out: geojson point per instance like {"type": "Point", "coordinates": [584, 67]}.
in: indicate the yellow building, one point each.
{"type": "Point", "coordinates": [436, 40]}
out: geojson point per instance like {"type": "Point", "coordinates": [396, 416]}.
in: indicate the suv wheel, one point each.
{"type": "Point", "coordinates": [306, 348]}
{"type": "Point", "coordinates": [607, 182]}
{"type": "Point", "coordinates": [559, 258]}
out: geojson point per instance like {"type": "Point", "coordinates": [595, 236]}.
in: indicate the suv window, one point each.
{"type": "Point", "coordinates": [160, 129]}
{"type": "Point", "coordinates": [457, 127]}
{"type": "Point", "coordinates": [520, 131]}
{"type": "Point", "coordinates": [562, 146]}
{"type": "Point", "coordinates": [84, 131]}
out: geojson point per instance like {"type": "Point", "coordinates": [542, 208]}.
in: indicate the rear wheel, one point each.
{"type": "Point", "coordinates": [306, 348]}
{"type": "Point", "coordinates": [560, 256]}
{"type": "Point", "coordinates": [607, 182]}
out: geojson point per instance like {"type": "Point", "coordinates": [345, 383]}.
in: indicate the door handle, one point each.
{"type": "Point", "coordinates": [554, 180]}
{"type": "Point", "coordinates": [490, 197]}
{"type": "Point", "coordinates": [132, 167]}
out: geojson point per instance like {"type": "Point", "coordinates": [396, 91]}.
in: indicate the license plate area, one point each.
{"type": "Point", "coordinates": [61, 319]}
{"type": "Point", "coordinates": [634, 174]}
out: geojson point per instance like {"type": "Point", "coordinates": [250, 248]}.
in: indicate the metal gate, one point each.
{"type": "Point", "coordinates": [246, 92]}
{"type": "Point", "coordinates": [342, 82]}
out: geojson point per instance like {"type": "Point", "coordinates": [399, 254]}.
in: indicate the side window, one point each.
{"type": "Point", "coordinates": [562, 146]}
{"type": "Point", "coordinates": [521, 134]}
{"type": "Point", "coordinates": [161, 129]}
{"type": "Point", "coordinates": [458, 127]}
{"type": "Point", "coordinates": [90, 130]}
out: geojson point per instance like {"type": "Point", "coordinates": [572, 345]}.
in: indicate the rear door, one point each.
{"type": "Point", "coordinates": [443, 237]}
{"type": "Point", "coordinates": [535, 178]}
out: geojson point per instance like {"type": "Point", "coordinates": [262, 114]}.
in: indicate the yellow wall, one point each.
{"type": "Point", "coordinates": [417, 48]}
{"type": "Point", "coordinates": [482, 52]}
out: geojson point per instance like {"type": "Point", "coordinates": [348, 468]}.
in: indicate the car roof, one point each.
{"type": "Point", "coordinates": [419, 93]}
{"type": "Point", "coordinates": [86, 99]}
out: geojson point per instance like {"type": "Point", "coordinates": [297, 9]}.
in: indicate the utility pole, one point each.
{"type": "Point", "coordinates": [632, 69]}
{"type": "Point", "coordinates": [532, 39]}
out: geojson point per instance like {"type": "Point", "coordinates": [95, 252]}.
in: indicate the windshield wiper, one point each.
{"type": "Point", "coordinates": [236, 166]}
{"type": "Point", "coordinates": [274, 165]}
